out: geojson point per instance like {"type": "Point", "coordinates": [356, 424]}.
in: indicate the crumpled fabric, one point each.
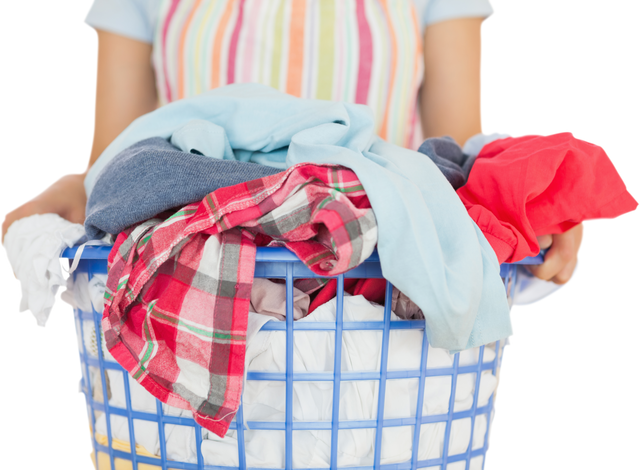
{"type": "Point", "coordinates": [34, 245]}
{"type": "Point", "coordinates": [428, 246]}
{"type": "Point", "coordinates": [313, 352]}
{"type": "Point", "coordinates": [153, 176]}
{"type": "Point", "coordinates": [179, 289]}
{"type": "Point", "coordinates": [404, 307]}
{"type": "Point", "coordinates": [270, 298]}
{"type": "Point", "coordinates": [455, 162]}
{"type": "Point", "coordinates": [449, 158]}
{"type": "Point", "coordinates": [521, 188]}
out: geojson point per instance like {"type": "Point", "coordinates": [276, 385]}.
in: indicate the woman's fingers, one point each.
{"type": "Point", "coordinates": [545, 241]}
{"type": "Point", "coordinates": [562, 257]}
{"type": "Point", "coordinates": [574, 241]}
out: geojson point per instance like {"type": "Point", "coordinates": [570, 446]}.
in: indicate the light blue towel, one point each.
{"type": "Point", "coordinates": [429, 247]}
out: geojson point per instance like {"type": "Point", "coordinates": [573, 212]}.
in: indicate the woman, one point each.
{"type": "Point", "coordinates": [415, 62]}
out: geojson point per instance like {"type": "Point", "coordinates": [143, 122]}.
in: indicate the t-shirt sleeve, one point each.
{"type": "Point", "coordinates": [130, 18]}
{"type": "Point", "coordinates": [434, 11]}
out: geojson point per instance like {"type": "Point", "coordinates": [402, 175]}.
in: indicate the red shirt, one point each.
{"type": "Point", "coordinates": [520, 188]}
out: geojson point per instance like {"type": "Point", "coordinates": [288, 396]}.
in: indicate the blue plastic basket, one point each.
{"type": "Point", "coordinates": [279, 263]}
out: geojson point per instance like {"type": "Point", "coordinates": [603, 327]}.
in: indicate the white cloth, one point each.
{"type": "Point", "coordinates": [530, 289]}
{"type": "Point", "coordinates": [313, 352]}
{"type": "Point", "coordinates": [85, 294]}
{"type": "Point", "coordinates": [34, 245]}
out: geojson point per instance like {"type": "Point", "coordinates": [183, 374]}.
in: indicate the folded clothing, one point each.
{"type": "Point", "coordinates": [34, 245]}
{"type": "Point", "coordinates": [153, 176]}
{"type": "Point", "coordinates": [521, 188]}
{"type": "Point", "coordinates": [178, 291]}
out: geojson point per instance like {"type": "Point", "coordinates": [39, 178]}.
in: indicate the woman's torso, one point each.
{"type": "Point", "coordinates": [360, 51]}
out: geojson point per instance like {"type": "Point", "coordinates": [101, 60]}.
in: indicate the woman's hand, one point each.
{"type": "Point", "coordinates": [561, 259]}
{"type": "Point", "coordinates": [66, 197]}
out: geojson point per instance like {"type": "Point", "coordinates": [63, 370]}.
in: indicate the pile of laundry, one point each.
{"type": "Point", "coordinates": [312, 401]}
{"type": "Point", "coordinates": [190, 191]}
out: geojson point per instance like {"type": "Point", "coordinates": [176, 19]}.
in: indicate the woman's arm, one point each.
{"type": "Point", "coordinates": [562, 257]}
{"type": "Point", "coordinates": [450, 96]}
{"type": "Point", "coordinates": [126, 87]}
{"type": "Point", "coordinates": [125, 90]}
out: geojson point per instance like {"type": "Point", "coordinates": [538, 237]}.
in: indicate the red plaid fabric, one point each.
{"type": "Point", "coordinates": [178, 290]}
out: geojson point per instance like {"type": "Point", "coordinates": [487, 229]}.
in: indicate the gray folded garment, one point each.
{"type": "Point", "coordinates": [449, 158]}
{"type": "Point", "coordinates": [153, 176]}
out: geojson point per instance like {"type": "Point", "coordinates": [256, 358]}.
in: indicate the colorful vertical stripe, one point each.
{"type": "Point", "coordinates": [296, 48]}
{"type": "Point", "coordinates": [233, 47]}
{"type": "Point", "coordinates": [365, 59]}
{"type": "Point", "coordinates": [359, 51]}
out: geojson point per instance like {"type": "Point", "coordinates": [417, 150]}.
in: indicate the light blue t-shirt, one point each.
{"type": "Point", "coordinates": [137, 19]}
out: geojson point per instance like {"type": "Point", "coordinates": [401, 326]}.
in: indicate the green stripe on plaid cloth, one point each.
{"type": "Point", "coordinates": [178, 290]}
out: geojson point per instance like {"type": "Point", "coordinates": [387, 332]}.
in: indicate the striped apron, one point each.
{"type": "Point", "coordinates": [359, 51]}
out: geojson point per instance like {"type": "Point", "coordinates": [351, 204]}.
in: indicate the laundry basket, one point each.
{"type": "Point", "coordinates": [101, 374]}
